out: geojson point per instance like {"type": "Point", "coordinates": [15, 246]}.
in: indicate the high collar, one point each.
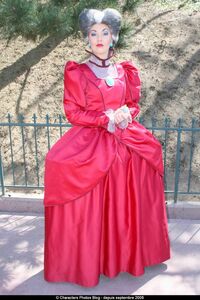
{"type": "Point", "coordinates": [100, 62]}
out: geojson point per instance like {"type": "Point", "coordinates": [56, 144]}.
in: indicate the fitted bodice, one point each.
{"type": "Point", "coordinates": [100, 96]}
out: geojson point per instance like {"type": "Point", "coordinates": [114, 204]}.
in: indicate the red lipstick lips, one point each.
{"type": "Point", "coordinates": [99, 45]}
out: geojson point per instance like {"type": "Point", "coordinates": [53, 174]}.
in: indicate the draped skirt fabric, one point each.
{"type": "Point", "coordinates": [118, 226]}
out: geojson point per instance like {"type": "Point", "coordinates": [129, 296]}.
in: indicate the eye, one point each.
{"type": "Point", "coordinates": [105, 33]}
{"type": "Point", "coordinates": [93, 34]}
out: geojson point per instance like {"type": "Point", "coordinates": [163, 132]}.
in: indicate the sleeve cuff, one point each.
{"type": "Point", "coordinates": [111, 124]}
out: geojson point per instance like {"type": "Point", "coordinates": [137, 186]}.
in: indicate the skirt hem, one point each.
{"type": "Point", "coordinates": [134, 274]}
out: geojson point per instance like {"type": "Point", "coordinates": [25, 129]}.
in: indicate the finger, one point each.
{"type": "Point", "coordinates": [118, 119]}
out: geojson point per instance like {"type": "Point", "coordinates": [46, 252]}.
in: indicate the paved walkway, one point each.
{"type": "Point", "coordinates": [21, 263]}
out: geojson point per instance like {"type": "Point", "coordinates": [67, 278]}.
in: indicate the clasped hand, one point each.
{"type": "Point", "coordinates": [122, 116]}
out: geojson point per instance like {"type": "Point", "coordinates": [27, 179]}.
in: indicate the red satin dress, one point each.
{"type": "Point", "coordinates": [104, 193]}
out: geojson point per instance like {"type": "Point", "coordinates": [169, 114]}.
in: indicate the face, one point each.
{"type": "Point", "coordinates": [100, 37]}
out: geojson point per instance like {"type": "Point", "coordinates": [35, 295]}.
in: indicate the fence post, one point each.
{"type": "Point", "coordinates": [177, 170]}
{"type": "Point", "coordinates": [1, 176]}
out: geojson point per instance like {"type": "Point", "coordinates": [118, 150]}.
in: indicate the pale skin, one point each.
{"type": "Point", "coordinates": [101, 34]}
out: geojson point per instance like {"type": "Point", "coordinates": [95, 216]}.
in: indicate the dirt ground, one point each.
{"type": "Point", "coordinates": [164, 46]}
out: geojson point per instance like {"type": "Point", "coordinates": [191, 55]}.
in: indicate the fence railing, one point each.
{"type": "Point", "coordinates": [25, 144]}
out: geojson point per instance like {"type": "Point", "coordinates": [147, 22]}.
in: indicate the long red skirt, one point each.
{"type": "Point", "coordinates": [119, 226]}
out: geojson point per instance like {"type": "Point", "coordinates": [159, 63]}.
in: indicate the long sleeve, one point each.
{"type": "Point", "coordinates": [75, 102]}
{"type": "Point", "coordinates": [133, 87]}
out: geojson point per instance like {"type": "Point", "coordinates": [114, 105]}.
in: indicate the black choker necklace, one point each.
{"type": "Point", "coordinates": [92, 62]}
{"type": "Point", "coordinates": [101, 60]}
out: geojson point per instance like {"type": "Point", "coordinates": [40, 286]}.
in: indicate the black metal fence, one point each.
{"type": "Point", "coordinates": [25, 144]}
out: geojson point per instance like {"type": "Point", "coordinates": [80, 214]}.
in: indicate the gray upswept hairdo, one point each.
{"type": "Point", "coordinates": [109, 16]}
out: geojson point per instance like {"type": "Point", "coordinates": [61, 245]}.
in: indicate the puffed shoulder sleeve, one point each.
{"type": "Point", "coordinates": [133, 87]}
{"type": "Point", "coordinates": [74, 99]}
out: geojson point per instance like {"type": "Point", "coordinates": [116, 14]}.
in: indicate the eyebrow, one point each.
{"type": "Point", "coordinates": [102, 29]}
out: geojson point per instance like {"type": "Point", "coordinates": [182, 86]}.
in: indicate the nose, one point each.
{"type": "Point", "coordinates": [99, 38]}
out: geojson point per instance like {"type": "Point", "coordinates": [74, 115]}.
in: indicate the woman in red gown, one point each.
{"type": "Point", "coordinates": [104, 192]}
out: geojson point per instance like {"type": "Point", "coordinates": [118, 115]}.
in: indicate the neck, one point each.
{"type": "Point", "coordinates": [98, 61]}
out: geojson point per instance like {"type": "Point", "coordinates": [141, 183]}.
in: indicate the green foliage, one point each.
{"type": "Point", "coordinates": [125, 33]}
{"type": "Point", "coordinates": [130, 5]}
{"type": "Point", "coordinates": [34, 19]}
{"type": "Point", "coordinates": [14, 17]}
{"type": "Point", "coordinates": [60, 2]}
{"type": "Point", "coordinates": [54, 20]}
